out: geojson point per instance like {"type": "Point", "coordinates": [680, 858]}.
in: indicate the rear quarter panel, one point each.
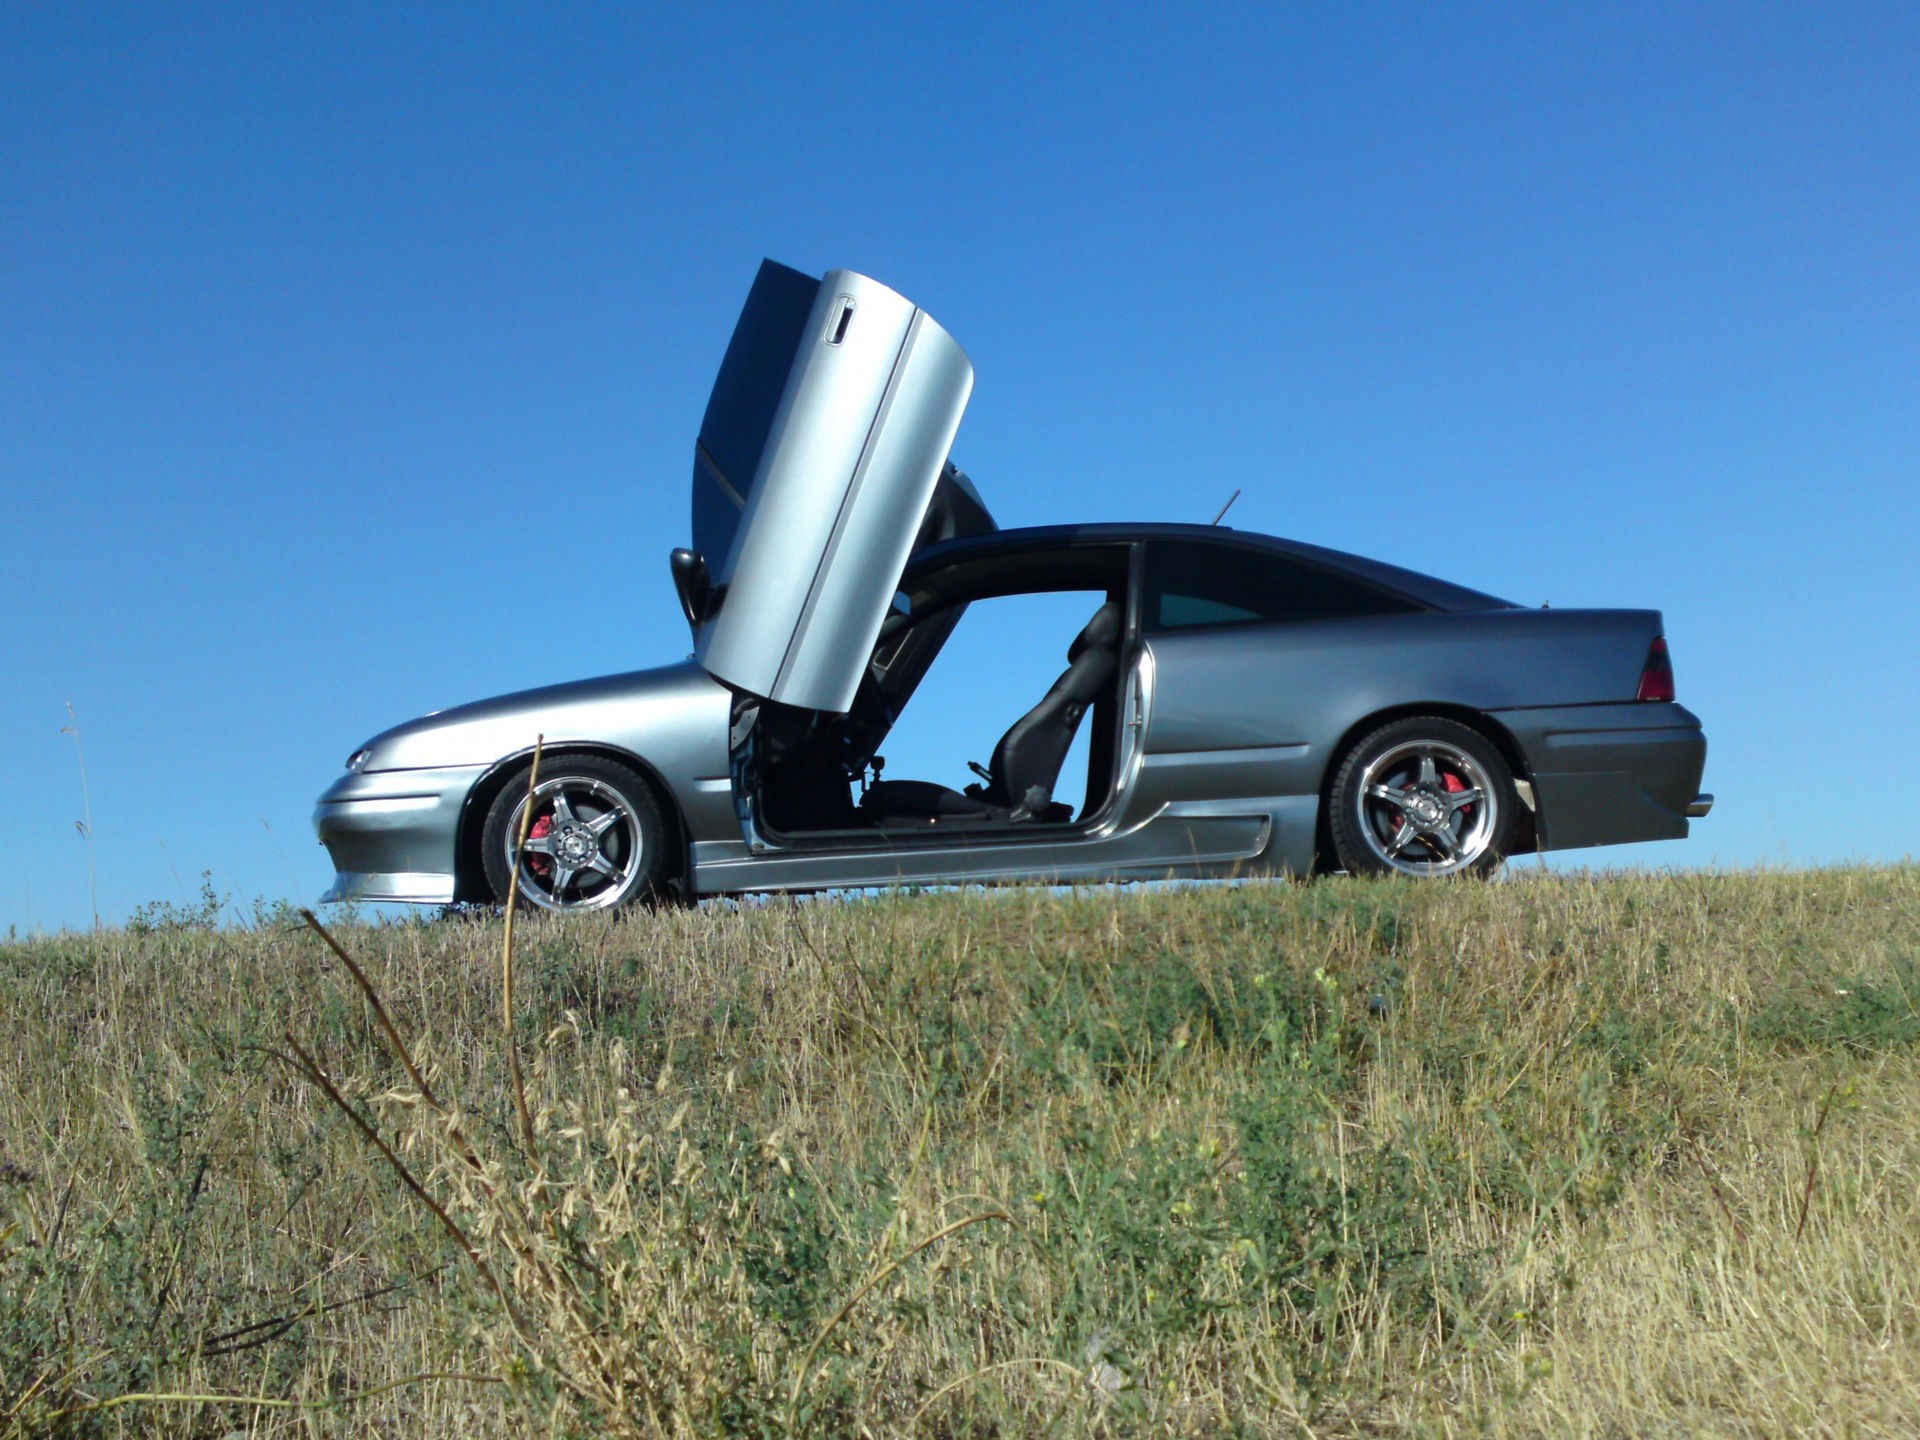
{"type": "Point", "coordinates": [1265, 709]}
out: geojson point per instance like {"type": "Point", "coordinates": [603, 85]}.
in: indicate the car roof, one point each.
{"type": "Point", "coordinates": [1440, 594]}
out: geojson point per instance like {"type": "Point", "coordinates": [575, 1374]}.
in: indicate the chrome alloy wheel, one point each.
{"type": "Point", "coordinates": [584, 848]}
{"type": "Point", "coordinates": [1428, 808]}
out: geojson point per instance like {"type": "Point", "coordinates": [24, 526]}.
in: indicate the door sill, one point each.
{"type": "Point", "coordinates": [868, 838]}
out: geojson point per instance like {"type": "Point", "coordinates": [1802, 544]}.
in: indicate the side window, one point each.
{"type": "Point", "coordinates": [1190, 584]}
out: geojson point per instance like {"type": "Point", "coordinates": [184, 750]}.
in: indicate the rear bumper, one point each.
{"type": "Point", "coordinates": [1612, 774]}
{"type": "Point", "coordinates": [392, 834]}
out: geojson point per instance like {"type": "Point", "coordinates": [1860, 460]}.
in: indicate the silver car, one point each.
{"type": "Point", "coordinates": [1249, 705]}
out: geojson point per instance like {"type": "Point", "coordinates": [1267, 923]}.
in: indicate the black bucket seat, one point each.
{"type": "Point", "coordinates": [1026, 763]}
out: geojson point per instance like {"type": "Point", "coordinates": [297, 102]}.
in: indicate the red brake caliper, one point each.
{"type": "Point", "coordinates": [540, 864]}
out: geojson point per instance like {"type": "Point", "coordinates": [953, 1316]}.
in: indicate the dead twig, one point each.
{"type": "Point", "coordinates": [1707, 1173]}
{"type": "Point", "coordinates": [506, 959]}
{"type": "Point", "coordinates": [217, 1345]}
{"type": "Point", "coordinates": [1813, 1159]}
{"type": "Point", "coordinates": [398, 1045]}
{"type": "Point", "coordinates": [266, 1401]}
{"type": "Point", "coordinates": [806, 1361]}
{"type": "Point", "coordinates": [387, 1027]}
{"type": "Point", "coordinates": [319, 1076]}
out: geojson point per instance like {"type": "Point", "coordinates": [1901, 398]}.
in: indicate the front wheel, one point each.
{"type": "Point", "coordinates": [1423, 796]}
{"type": "Point", "coordinates": [595, 839]}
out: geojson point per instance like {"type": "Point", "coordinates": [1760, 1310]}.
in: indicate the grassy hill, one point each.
{"type": "Point", "coordinates": [1554, 1157]}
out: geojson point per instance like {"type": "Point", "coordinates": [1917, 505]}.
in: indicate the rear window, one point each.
{"type": "Point", "coordinates": [1192, 585]}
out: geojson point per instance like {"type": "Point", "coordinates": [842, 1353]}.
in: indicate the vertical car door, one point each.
{"type": "Point", "coordinates": [817, 466]}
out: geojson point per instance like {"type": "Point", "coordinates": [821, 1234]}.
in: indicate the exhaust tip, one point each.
{"type": "Point", "coordinates": [1699, 806]}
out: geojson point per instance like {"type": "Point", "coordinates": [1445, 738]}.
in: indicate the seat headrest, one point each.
{"type": "Point", "coordinates": [1102, 632]}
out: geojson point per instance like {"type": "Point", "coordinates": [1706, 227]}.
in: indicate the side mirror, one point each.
{"type": "Point", "coordinates": [698, 598]}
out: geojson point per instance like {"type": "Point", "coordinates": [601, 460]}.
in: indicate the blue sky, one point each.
{"type": "Point", "coordinates": [337, 342]}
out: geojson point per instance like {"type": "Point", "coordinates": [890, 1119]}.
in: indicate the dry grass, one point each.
{"type": "Point", "coordinates": [1559, 1157]}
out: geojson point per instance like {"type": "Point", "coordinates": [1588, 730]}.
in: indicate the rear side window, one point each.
{"type": "Point", "coordinates": [1190, 585]}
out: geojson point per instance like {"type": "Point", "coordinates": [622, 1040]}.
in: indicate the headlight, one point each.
{"type": "Point", "coordinates": [359, 758]}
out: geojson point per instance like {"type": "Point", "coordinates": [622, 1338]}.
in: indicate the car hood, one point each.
{"type": "Point", "coordinates": [597, 710]}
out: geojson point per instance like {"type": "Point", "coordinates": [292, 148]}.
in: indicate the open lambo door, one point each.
{"type": "Point", "coordinates": [821, 466]}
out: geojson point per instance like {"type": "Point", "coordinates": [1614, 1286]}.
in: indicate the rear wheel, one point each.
{"type": "Point", "coordinates": [595, 839]}
{"type": "Point", "coordinates": [1422, 796]}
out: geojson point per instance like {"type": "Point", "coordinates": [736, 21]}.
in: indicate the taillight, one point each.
{"type": "Point", "coordinates": [1656, 677]}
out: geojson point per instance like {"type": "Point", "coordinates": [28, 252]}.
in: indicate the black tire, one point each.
{"type": "Point", "coordinates": [1422, 796]}
{"type": "Point", "coordinates": [597, 839]}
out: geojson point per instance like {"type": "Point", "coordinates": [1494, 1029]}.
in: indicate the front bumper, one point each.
{"type": "Point", "coordinates": [398, 889]}
{"type": "Point", "coordinates": [1612, 774]}
{"type": "Point", "coordinates": [393, 834]}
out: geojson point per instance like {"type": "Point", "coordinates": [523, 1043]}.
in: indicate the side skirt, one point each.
{"type": "Point", "coordinates": [1196, 839]}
